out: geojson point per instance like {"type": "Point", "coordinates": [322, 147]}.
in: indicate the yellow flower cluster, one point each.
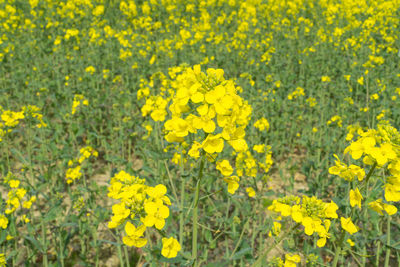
{"type": "Point", "coordinates": [336, 119]}
{"type": "Point", "coordinates": [10, 119]}
{"type": "Point", "coordinates": [314, 214]}
{"type": "Point", "coordinates": [139, 202]}
{"type": "Point", "coordinates": [206, 111]}
{"type": "Point", "coordinates": [296, 93]}
{"type": "Point", "coordinates": [291, 260]}
{"type": "Point", "coordinates": [262, 124]}
{"type": "Point", "coordinates": [379, 148]}
{"type": "Point", "coordinates": [78, 100]}
{"type": "Point", "coordinates": [245, 164]}
{"type": "Point", "coordinates": [32, 111]}
{"type": "Point", "coordinates": [347, 172]}
{"type": "Point", "coordinates": [209, 103]}
{"type": "Point", "coordinates": [75, 166]}
{"type": "Point", "coordinates": [3, 261]}
{"type": "Point", "coordinates": [15, 200]}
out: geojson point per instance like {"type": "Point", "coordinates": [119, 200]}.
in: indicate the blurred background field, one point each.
{"type": "Point", "coordinates": [84, 91]}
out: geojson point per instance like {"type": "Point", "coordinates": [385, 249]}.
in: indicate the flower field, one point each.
{"type": "Point", "coordinates": [200, 133]}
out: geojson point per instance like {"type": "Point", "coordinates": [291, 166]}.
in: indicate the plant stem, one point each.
{"type": "Point", "coordinates": [265, 253]}
{"type": "Point", "coordinates": [338, 249]}
{"type": "Point", "coordinates": [370, 173]}
{"type": "Point", "coordinates": [126, 256]}
{"type": "Point", "coordinates": [121, 259]}
{"type": "Point", "coordinates": [45, 263]}
{"type": "Point", "coordinates": [196, 211]}
{"type": "Point", "coordinates": [387, 257]}
{"type": "Point", "coordinates": [181, 217]}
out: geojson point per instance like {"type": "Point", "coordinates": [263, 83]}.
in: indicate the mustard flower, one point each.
{"type": "Point", "coordinates": [262, 124]}
{"type": "Point", "coordinates": [351, 243]}
{"type": "Point", "coordinates": [213, 144]}
{"type": "Point", "coordinates": [224, 167]}
{"type": "Point", "coordinates": [3, 221]}
{"type": "Point", "coordinates": [120, 214]}
{"type": "Point", "coordinates": [348, 225]}
{"type": "Point", "coordinates": [291, 260]}
{"type": "Point", "coordinates": [379, 206]}
{"type": "Point", "coordinates": [194, 150]}
{"type": "Point", "coordinates": [134, 235]}
{"type": "Point", "coordinates": [156, 214]}
{"type": "Point", "coordinates": [3, 261]}
{"type": "Point", "coordinates": [170, 247]}
{"type": "Point", "coordinates": [259, 148]}
{"type": "Point", "coordinates": [233, 184]}
{"type": "Point", "coordinates": [355, 198]}
{"type": "Point", "coordinates": [250, 191]}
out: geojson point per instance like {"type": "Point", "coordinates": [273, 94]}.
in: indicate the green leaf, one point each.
{"type": "Point", "coordinates": [35, 243]}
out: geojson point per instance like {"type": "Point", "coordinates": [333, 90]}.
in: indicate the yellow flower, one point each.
{"type": "Point", "coordinates": [213, 144]}
{"type": "Point", "coordinates": [348, 225]}
{"type": "Point", "coordinates": [120, 213]}
{"type": "Point", "coordinates": [325, 79]}
{"type": "Point", "coordinates": [262, 124]}
{"type": "Point", "coordinates": [382, 154]}
{"type": "Point", "coordinates": [259, 148]}
{"type": "Point", "coordinates": [134, 235]}
{"type": "Point", "coordinates": [233, 184]}
{"type": "Point", "coordinates": [250, 191]}
{"type": "Point", "coordinates": [379, 206]}
{"type": "Point", "coordinates": [330, 210]}
{"type": "Point", "coordinates": [3, 261]}
{"type": "Point", "coordinates": [224, 167]}
{"type": "Point", "coordinates": [194, 150]}
{"type": "Point", "coordinates": [156, 214]}
{"type": "Point", "coordinates": [170, 247]}
{"type": "Point", "coordinates": [3, 221]}
{"type": "Point", "coordinates": [351, 243]}
{"type": "Point", "coordinates": [361, 146]}
{"type": "Point", "coordinates": [291, 260]}
{"type": "Point", "coordinates": [90, 69]}
{"type": "Point", "coordinates": [14, 183]}
{"type": "Point", "coordinates": [355, 198]}
{"type": "Point", "coordinates": [276, 229]}
{"type": "Point", "coordinates": [361, 80]}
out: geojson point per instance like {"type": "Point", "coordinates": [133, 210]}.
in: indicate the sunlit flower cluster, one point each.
{"type": "Point", "coordinates": [379, 148]}
{"type": "Point", "coordinates": [10, 119]}
{"type": "Point", "coordinates": [16, 197]}
{"type": "Point", "coordinates": [78, 101]}
{"type": "Point", "coordinates": [314, 214]}
{"type": "Point", "coordinates": [75, 166]}
{"type": "Point", "coordinates": [141, 205]}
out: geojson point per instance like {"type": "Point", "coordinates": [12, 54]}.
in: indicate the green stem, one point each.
{"type": "Point", "coordinates": [338, 249]}
{"type": "Point", "coordinates": [196, 211]}
{"type": "Point", "coordinates": [378, 251]}
{"type": "Point", "coordinates": [181, 215]}
{"type": "Point", "coordinates": [61, 249]}
{"type": "Point", "coordinates": [265, 253]}
{"type": "Point", "coordinates": [29, 148]}
{"type": "Point", "coordinates": [370, 173]}
{"type": "Point", "coordinates": [126, 256]}
{"type": "Point", "coordinates": [240, 239]}
{"type": "Point", "coordinates": [121, 260]}
{"type": "Point", "coordinates": [387, 257]}
{"type": "Point", "coordinates": [45, 263]}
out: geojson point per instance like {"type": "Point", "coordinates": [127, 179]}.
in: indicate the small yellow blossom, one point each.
{"type": "Point", "coordinates": [250, 191]}
{"type": "Point", "coordinates": [170, 247]}
{"type": "Point", "coordinates": [348, 225]}
{"type": "Point", "coordinates": [355, 198]}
